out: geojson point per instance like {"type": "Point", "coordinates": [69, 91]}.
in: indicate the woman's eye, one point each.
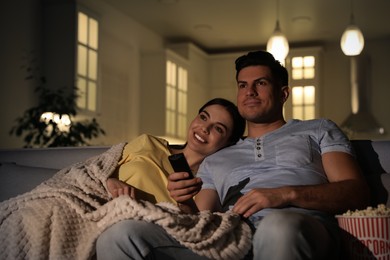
{"type": "Point", "coordinates": [219, 129]}
{"type": "Point", "coordinates": [203, 117]}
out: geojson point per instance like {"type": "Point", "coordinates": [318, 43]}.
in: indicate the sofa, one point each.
{"type": "Point", "coordinates": [23, 169]}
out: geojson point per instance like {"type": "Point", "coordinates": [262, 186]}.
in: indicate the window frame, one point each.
{"type": "Point", "coordinates": [316, 52]}
{"type": "Point", "coordinates": [96, 17]}
{"type": "Point", "coordinates": [183, 64]}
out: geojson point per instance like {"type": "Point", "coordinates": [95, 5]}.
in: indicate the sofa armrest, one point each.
{"type": "Point", "coordinates": [54, 158]}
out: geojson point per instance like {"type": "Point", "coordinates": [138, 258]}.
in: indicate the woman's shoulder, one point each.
{"type": "Point", "coordinates": [152, 139]}
{"type": "Point", "coordinates": [146, 142]}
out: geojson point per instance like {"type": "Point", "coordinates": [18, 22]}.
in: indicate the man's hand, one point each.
{"type": "Point", "coordinates": [118, 188]}
{"type": "Point", "coordinates": [258, 199]}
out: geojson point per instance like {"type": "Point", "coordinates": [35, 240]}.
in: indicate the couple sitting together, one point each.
{"type": "Point", "coordinates": [286, 180]}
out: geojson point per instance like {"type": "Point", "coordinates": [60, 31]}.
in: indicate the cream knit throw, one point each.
{"type": "Point", "coordinates": [63, 217]}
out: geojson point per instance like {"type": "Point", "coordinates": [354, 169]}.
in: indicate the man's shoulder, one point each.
{"type": "Point", "coordinates": [312, 123]}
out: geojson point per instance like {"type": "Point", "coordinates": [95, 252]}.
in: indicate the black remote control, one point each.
{"type": "Point", "coordinates": [180, 164]}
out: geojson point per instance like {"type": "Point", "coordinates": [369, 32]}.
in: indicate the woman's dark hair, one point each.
{"type": "Point", "coordinates": [238, 120]}
{"type": "Point", "coordinates": [279, 73]}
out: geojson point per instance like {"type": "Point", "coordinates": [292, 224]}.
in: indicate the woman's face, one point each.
{"type": "Point", "coordinates": [210, 130]}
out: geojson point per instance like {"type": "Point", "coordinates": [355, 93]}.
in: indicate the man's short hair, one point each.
{"type": "Point", "coordinates": [279, 73]}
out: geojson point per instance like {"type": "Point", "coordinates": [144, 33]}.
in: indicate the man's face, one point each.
{"type": "Point", "coordinates": [258, 99]}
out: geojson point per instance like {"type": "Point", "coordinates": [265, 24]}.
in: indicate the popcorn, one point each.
{"type": "Point", "coordinates": [366, 233]}
{"type": "Point", "coordinates": [380, 210]}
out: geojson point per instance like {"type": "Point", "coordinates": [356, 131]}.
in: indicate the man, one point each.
{"type": "Point", "coordinates": [287, 179]}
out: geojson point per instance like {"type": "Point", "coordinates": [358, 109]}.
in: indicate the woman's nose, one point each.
{"type": "Point", "coordinates": [206, 128]}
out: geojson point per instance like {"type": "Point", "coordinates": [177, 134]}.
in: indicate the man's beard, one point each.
{"type": "Point", "coordinates": [263, 117]}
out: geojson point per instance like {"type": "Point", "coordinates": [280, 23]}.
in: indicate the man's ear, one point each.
{"type": "Point", "coordinates": [285, 93]}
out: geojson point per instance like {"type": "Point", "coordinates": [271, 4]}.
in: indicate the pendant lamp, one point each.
{"type": "Point", "coordinates": [277, 45]}
{"type": "Point", "coordinates": [352, 40]}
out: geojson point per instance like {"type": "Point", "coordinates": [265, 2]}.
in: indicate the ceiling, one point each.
{"type": "Point", "coordinates": [224, 25]}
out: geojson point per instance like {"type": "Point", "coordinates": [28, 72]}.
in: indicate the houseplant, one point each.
{"type": "Point", "coordinates": [51, 122]}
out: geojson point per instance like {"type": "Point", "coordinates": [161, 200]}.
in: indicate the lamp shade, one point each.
{"type": "Point", "coordinates": [352, 41]}
{"type": "Point", "coordinates": [277, 45]}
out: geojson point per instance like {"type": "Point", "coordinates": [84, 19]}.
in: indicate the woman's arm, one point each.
{"type": "Point", "coordinates": [208, 199]}
{"type": "Point", "coordinates": [118, 188]}
{"type": "Point", "coordinates": [184, 190]}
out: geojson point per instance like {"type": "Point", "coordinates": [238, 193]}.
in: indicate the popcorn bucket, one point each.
{"type": "Point", "coordinates": [366, 237]}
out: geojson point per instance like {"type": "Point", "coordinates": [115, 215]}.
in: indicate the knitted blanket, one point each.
{"type": "Point", "coordinates": [62, 217]}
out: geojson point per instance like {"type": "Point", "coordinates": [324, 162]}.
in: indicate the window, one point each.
{"type": "Point", "coordinates": [176, 100]}
{"type": "Point", "coordinates": [304, 84]}
{"type": "Point", "coordinates": [87, 62]}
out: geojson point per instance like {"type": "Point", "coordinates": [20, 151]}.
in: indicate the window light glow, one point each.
{"type": "Point", "coordinates": [87, 62]}
{"type": "Point", "coordinates": [297, 95]}
{"type": "Point", "coordinates": [176, 101]}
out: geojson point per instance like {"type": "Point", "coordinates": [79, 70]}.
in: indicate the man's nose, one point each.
{"type": "Point", "coordinates": [251, 91]}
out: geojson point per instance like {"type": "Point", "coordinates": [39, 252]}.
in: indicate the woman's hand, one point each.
{"type": "Point", "coordinates": [118, 188]}
{"type": "Point", "coordinates": [181, 188]}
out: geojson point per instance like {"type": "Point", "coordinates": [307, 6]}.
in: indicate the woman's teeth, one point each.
{"type": "Point", "coordinates": [199, 138]}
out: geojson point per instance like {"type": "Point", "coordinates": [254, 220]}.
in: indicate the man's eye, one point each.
{"type": "Point", "coordinates": [261, 83]}
{"type": "Point", "coordinates": [241, 85]}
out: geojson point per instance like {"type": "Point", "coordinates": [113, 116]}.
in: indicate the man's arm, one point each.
{"type": "Point", "coordinates": [346, 189]}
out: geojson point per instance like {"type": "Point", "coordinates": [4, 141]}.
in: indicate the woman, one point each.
{"type": "Point", "coordinates": [144, 167]}
{"type": "Point", "coordinates": [74, 207]}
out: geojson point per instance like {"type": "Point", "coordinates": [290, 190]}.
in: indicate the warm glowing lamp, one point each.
{"type": "Point", "coordinates": [352, 40]}
{"type": "Point", "coordinates": [277, 45]}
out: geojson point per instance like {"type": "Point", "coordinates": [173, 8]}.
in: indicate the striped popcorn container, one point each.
{"type": "Point", "coordinates": [366, 237]}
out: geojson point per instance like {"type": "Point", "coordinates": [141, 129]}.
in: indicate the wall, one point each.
{"type": "Point", "coordinates": [335, 90]}
{"type": "Point", "coordinates": [199, 73]}
{"type": "Point", "coordinates": [223, 75]}
{"type": "Point", "coordinates": [124, 46]}
{"type": "Point", "coordinates": [126, 71]}
{"type": "Point", "coordinates": [21, 31]}
{"type": "Point", "coordinates": [59, 43]}
{"type": "Point", "coordinates": [336, 102]}
{"type": "Point", "coordinates": [123, 42]}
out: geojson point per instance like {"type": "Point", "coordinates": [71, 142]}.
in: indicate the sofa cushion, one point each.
{"type": "Point", "coordinates": [386, 183]}
{"type": "Point", "coordinates": [18, 179]}
{"type": "Point", "coordinates": [380, 188]}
